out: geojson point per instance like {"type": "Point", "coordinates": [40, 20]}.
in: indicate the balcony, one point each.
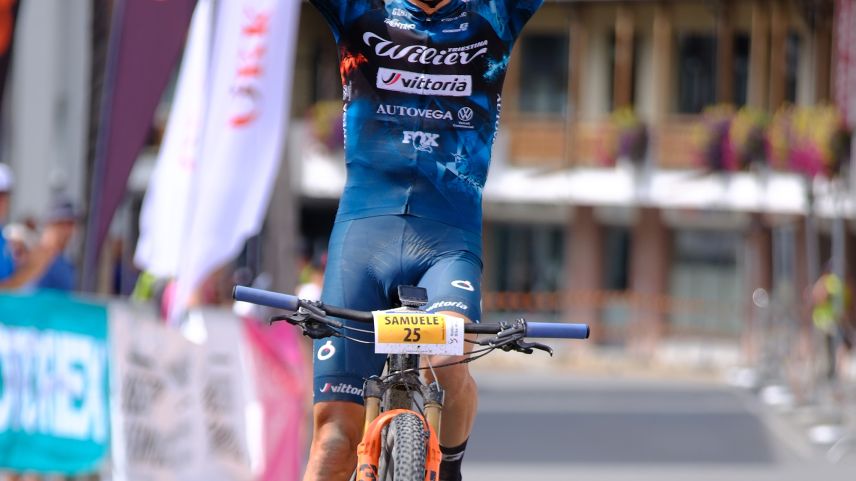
{"type": "Point", "coordinates": [553, 143]}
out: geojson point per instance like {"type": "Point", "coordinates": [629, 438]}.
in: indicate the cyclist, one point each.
{"type": "Point", "coordinates": [422, 82]}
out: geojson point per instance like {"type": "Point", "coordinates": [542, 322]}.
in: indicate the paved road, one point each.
{"type": "Point", "coordinates": [533, 426]}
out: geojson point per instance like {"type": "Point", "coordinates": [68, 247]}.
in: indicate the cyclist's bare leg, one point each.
{"type": "Point", "coordinates": [338, 430]}
{"type": "Point", "coordinates": [461, 403]}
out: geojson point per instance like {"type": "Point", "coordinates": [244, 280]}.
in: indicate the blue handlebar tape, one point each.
{"type": "Point", "coordinates": [557, 330]}
{"type": "Point", "coordinates": [265, 298]}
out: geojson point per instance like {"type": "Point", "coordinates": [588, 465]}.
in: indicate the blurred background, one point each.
{"type": "Point", "coordinates": [674, 172]}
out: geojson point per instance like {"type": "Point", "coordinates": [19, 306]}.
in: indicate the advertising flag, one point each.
{"type": "Point", "coordinates": [165, 206]}
{"type": "Point", "coordinates": [8, 18]}
{"type": "Point", "coordinates": [145, 44]}
{"type": "Point", "coordinates": [249, 92]}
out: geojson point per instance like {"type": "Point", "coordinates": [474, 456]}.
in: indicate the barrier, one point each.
{"type": "Point", "coordinates": [230, 407]}
{"type": "Point", "coordinates": [53, 401]}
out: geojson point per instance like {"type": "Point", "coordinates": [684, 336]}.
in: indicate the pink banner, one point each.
{"type": "Point", "coordinates": [283, 383]}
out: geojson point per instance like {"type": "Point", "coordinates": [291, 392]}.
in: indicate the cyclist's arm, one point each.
{"type": "Point", "coordinates": [519, 12]}
{"type": "Point", "coordinates": [335, 12]}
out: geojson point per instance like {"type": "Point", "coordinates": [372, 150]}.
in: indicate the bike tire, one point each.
{"type": "Point", "coordinates": [405, 447]}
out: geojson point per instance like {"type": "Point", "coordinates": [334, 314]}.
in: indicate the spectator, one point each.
{"type": "Point", "coordinates": [7, 264]}
{"type": "Point", "coordinates": [830, 302]}
{"type": "Point", "coordinates": [61, 273]}
{"type": "Point", "coordinates": [17, 276]}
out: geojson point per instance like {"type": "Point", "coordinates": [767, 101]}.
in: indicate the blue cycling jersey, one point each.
{"type": "Point", "coordinates": [422, 100]}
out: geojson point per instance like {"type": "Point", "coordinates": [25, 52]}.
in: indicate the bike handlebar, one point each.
{"type": "Point", "coordinates": [292, 303]}
{"type": "Point", "coordinates": [557, 330]}
{"type": "Point", "coordinates": [265, 298]}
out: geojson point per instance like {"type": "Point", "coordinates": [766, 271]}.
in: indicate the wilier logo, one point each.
{"type": "Point", "coordinates": [421, 141]}
{"type": "Point", "coordinates": [424, 84]}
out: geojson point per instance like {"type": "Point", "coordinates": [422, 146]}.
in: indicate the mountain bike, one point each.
{"type": "Point", "coordinates": [403, 413]}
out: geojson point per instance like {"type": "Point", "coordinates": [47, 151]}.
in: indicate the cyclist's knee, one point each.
{"type": "Point", "coordinates": [338, 429]}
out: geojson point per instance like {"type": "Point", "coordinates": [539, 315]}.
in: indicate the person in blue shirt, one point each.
{"type": "Point", "coordinates": [52, 241]}
{"type": "Point", "coordinates": [7, 264]}
{"type": "Point", "coordinates": [61, 274]}
{"type": "Point", "coordinates": [422, 91]}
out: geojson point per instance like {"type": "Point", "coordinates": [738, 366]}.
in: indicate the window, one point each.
{"type": "Point", "coordinates": [741, 68]}
{"type": "Point", "coordinates": [696, 72]}
{"type": "Point", "coordinates": [706, 275]}
{"type": "Point", "coordinates": [792, 49]}
{"type": "Point", "coordinates": [544, 74]}
{"type": "Point", "coordinates": [527, 257]}
{"type": "Point", "coordinates": [616, 258]}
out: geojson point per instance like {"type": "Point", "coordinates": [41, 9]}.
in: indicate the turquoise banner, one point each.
{"type": "Point", "coordinates": [54, 415]}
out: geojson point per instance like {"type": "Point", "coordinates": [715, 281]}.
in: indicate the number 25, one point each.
{"type": "Point", "coordinates": [413, 334]}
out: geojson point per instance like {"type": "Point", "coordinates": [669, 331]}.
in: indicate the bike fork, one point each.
{"type": "Point", "coordinates": [433, 395]}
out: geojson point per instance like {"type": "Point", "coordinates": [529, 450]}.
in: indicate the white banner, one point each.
{"type": "Point", "coordinates": [165, 207]}
{"type": "Point", "coordinates": [252, 64]}
{"type": "Point", "coordinates": [157, 417]}
{"type": "Point", "coordinates": [182, 411]}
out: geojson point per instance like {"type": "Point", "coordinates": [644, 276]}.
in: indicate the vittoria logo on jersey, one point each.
{"type": "Point", "coordinates": [413, 112]}
{"type": "Point", "coordinates": [423, 55]}
{"type": "Point", "coordinates": [341, 388]}
{"type": "Point", "coordinates": [424, 84]}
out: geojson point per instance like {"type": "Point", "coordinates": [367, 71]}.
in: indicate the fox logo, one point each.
{"type": "Point", "coordinates": [422, 141]}
{"type": "Point", "coordinates": [342, 388]}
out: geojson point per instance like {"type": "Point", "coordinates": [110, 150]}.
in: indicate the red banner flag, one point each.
{"type": "Point", "coordinates": [8, 16]}
{"type": "Point", "coordinates": [145, 44]}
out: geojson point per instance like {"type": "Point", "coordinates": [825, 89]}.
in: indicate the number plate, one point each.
{"type": "Point", "coordinates": [410, 332]}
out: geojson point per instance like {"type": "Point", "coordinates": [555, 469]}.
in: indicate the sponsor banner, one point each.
{"type": "Point", "coordinates": [8, 18]}
{"type": "Point", "coordinates": [252, 60]}
{"type": "Point", "coordinates": [183, 409]}
{"type": "Point", "coordinates": [166, 202]}
{"type": "Point", "coordinates": [157, 415]}
{"type": "Point", "coordinates": [53, 400]}
{"type": "Point", "coordinates": [233, 420]}
{"type": "Point", "coordinates": [282, 392]}
{"type": "Point", "coordinates": [145, 45]}
{"type": "Point", "coordinates": [424, 84]}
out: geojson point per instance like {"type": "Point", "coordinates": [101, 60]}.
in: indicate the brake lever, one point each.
{"type": "Point", "coordinates": [313, 325]}
{"type": "Point", "coordinates": [527, 347]}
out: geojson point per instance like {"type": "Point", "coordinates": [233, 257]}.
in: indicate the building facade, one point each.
{"type": "Point", "coordinates": [645, 242]}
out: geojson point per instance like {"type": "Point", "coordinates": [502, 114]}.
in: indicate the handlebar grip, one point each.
{"type": "Point", "coordinates": [265, 298]}
{"type": "Point", "coordinates": [557, 330]}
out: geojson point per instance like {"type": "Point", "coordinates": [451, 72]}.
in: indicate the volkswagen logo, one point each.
{"type": "Point", "coordinates": [465, 114]}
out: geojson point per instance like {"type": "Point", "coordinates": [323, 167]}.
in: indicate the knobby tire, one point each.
{"type": "Point", "coordinates": [405, 446]}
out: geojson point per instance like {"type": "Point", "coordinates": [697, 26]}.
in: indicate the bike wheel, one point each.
{"type": "Point", "coordinates": [405, 446]}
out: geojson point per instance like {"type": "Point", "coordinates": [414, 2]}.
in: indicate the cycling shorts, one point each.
{"type": "Point", "coordinates": [368, 259]}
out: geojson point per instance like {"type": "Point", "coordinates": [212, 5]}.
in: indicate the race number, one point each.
{"type": "Point", "coordinates": [411, 332]}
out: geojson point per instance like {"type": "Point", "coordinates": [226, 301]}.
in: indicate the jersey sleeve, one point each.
{"type": "Point", "coordinates": [519, 12]}
{"type": "Point", "coordinates": [335, 11]}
